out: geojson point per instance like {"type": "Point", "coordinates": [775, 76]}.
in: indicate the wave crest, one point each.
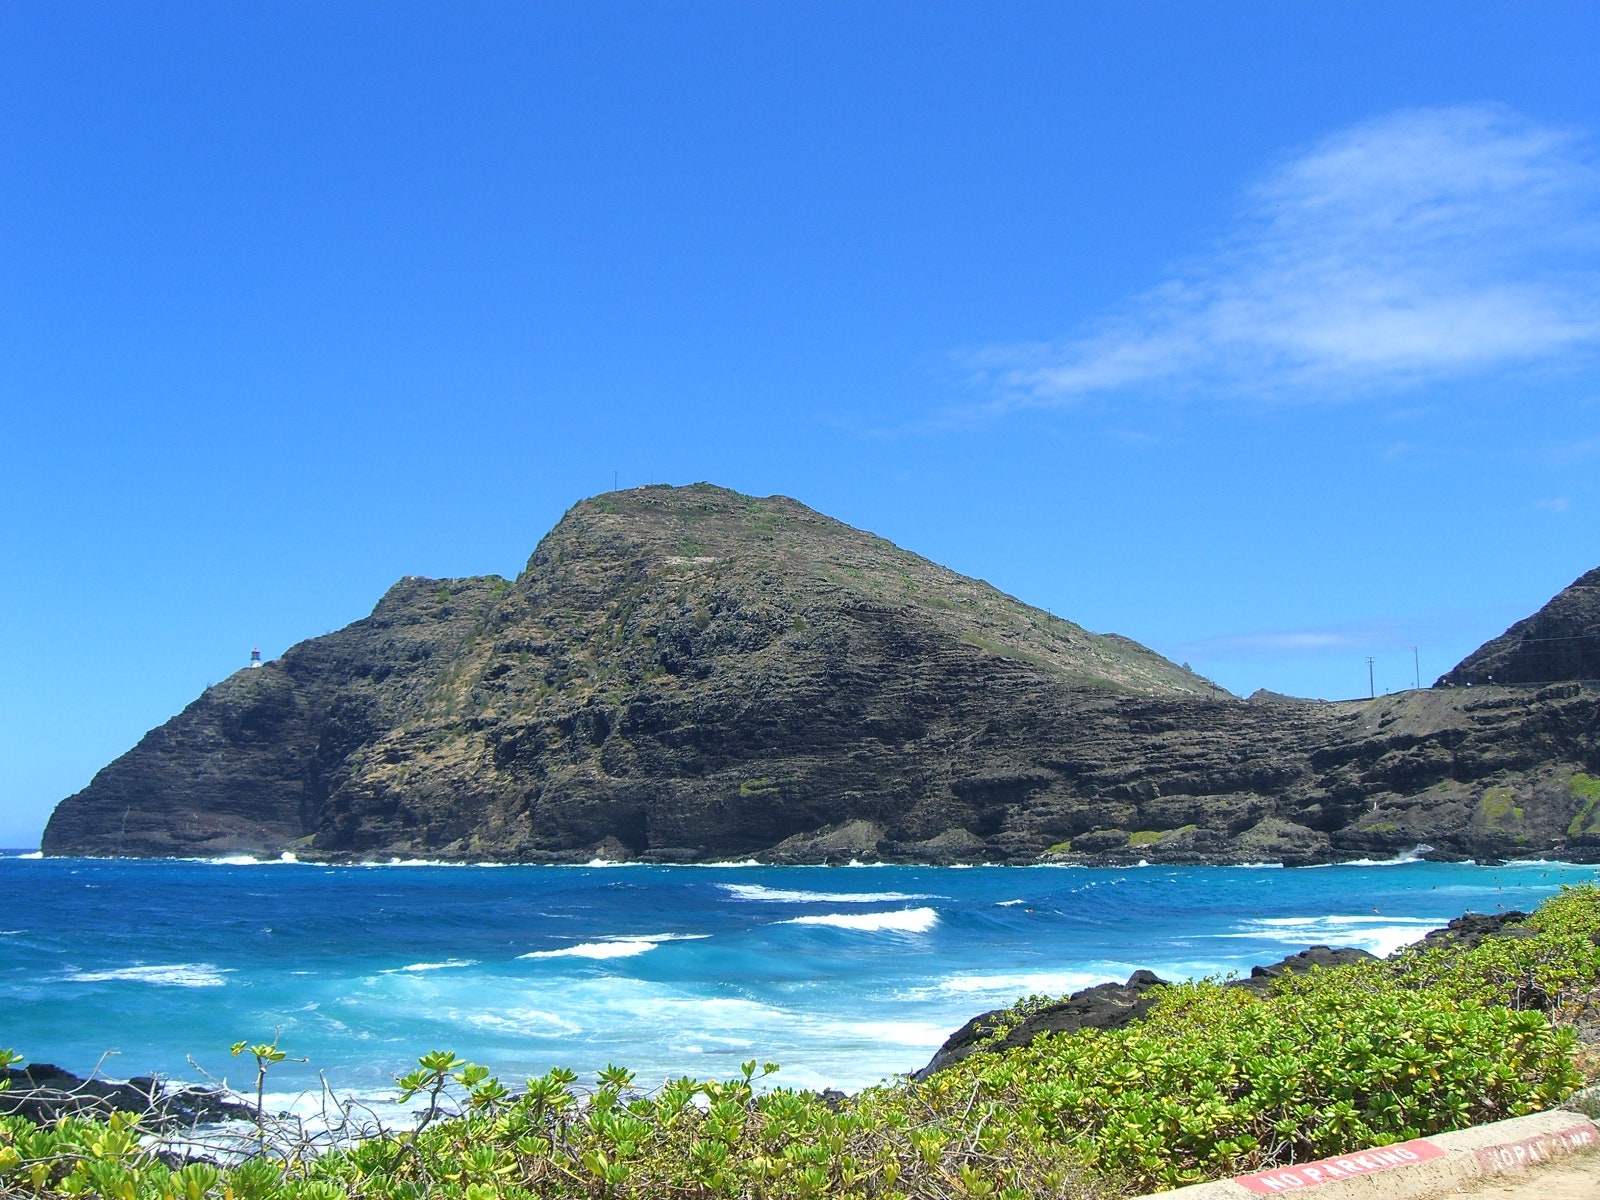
{"type": "Point", "coordinates": [191, 975]}
{"type": "Point", "coordinates": [905, 920]}
{"type": "Point", "coordinates": [754, 891]}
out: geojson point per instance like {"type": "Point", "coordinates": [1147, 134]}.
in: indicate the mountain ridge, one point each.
{"type": "Point", "coordinates": [1559, 642]}
{"type": "Point", "coordinates": [689, 674]}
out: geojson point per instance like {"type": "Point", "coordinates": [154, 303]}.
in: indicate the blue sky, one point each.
{"type": "Point", "coordinates": [1266, 335]}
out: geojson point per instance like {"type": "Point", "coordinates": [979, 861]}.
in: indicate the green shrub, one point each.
{"type": "Point", "coordinates": [1583, 787]}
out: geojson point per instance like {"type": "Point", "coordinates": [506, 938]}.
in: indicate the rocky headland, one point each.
{"type": "Point", "coordinates": [690, 674]}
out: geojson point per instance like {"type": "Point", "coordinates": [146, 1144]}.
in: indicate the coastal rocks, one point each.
{"type": "Point", "coordinates": [44, 1093]}
{"type": "Point", "coordinates": [692, 675]}
{"type": "Point", "coordinates": [1272, 839]}
{"type": "Point", "coordinates": [850, 841]}
{"type": "Point", "coordinates": [1113, 1005]}
{"type": "Point", "coordinates": [1320, 957]}
{"type": "Point", "coordinates": [1109, 1006]}
{"type": "Point", "coordinates": [1104, 1006]}
{"type": "Point", "coordinates": [1470, 929]}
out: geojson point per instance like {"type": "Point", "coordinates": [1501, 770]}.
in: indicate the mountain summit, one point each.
{"type": "Point", "coordinates": [1561, 641]}
{"type": "Point", "coordinates": [689, 674]}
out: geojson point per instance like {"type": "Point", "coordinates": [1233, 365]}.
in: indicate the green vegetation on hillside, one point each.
{"type": "Point", "coordinates": [1214, 1081]}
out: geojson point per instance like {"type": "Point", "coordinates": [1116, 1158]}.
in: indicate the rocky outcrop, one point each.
{"type": "Point", "coordinates": [1108, 1006]}
{"type": "Point", "coordinates": [1311, 958]}
{"type": "Point", "coordinates": [1469, 930]}
{"type": "Point", "coordinates": [1105, 1006]}
{"type": "Point", "coordinates": [44, 1093]}
{"type": "Point", "coordinates": [1559, 642]}
{"type": "Point", "coordinates": [688, 674]}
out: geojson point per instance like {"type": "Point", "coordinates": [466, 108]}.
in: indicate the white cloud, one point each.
{"type": "Point", "coordinates": [1428, 244]}
{"type": "Point", "coordinates": [1277, 643]}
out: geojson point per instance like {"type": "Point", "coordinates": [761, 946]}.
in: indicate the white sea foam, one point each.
{"type": "Point", "coordinates": [414, 862]}
{"type": "Point", "coordinates": [754, 891]}
{"type": "Point", "coordinates": [923, 1034]}
{"type": "Point", "coordinates": [535, 1022]}
{"type": "Point", "coordinates": [191, 975]}
{"type": "Point", "coordinates": [1379, 935]}
{"type": "Point", "coordinates": [32, 854]}
{"type": "Point", "coordinates": [905, 920]}
{"type": "Point", "coordinates": [595, 950]}
{"type": "Point", "coordinates": [1545, 863]}
{"type": "Point", "coordinates": [1404, 858]}
{"type": "Point", "coordinates": [1008, 903]}
{"type": "Point", "coordinates": [250, 860]}
{"type": "Point", "coordinates": [437, 966]}
{"type": "Point", "coordinates": [624, 945]}
{"type": "Point", "coordinates": [749, 862]}
{"type": "Point", "coordinates": [1031, 983]}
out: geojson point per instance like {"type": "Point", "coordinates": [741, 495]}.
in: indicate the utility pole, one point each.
{"type": "Point", "coordinates": [614, 477]}
{"type": "Point", "coordinates": [1416, 665]}
{"type": "Point", "coordinates": [1372, 691]}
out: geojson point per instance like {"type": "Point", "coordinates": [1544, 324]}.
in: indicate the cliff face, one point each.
{"type": "Point", "coordinates": [1561, 641]}
{"type": "Point", "coordinates": [687, 674]}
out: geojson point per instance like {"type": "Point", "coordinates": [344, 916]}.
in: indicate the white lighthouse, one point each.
{"type": "Point", "coordinates": [255, 657]}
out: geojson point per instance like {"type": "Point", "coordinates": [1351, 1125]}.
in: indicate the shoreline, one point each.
{"type": "Point", "coordinates": [1417, 854]}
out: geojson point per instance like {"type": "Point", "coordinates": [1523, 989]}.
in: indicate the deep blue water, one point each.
{"type": "Point", "coordinates": [843, 975]}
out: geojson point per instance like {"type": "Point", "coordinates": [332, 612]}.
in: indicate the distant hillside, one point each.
{"type": "Point", "coordinates": [1559, 642]}
{"type": "Point", "coordinates": [689, 674]}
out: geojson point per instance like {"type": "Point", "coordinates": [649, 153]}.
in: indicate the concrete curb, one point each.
{"type": "Point", "coordinates": [1427, 1166]}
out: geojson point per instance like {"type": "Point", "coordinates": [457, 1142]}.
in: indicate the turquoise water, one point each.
{"type": "Point", "coordinates": [843, 975]}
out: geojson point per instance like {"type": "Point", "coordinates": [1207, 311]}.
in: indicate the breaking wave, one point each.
{"type": "Point", "coordinates": [754, 891]}
{"type": "Point", "coordinates": [1378, 935]}
{"type": "Point", "coordinates": [905, 920]}
{"type": "Point", "coordinates": [189, 975]}
{"type": "Point", "coordinates": [620, 946]}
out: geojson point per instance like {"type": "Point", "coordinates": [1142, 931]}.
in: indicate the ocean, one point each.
{"type": "Point", "coordinates": [843, 975]}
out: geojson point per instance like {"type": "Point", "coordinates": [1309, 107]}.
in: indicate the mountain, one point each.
{"type": "Point", "coordinates": [1561, 641]}
{"type": "Point", "coordinates": [689, 674]}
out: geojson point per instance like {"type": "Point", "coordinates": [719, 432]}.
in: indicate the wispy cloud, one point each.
{"type": "Point", "coordinates": [1428, 244]}
{"type": "Point", "coordinates": [1432, 629]}
{"type": "Point", "coordinates": [1275, 643]}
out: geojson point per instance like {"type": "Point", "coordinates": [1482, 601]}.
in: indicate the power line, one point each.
{"type": "Point", "coordinates": [1569, 637]}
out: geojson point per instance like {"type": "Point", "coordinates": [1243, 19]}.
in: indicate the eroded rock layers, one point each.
{"type": "Point", "coordinates": [688, 674]}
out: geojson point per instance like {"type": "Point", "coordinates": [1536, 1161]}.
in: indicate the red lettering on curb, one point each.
{"type": "Point", "coordinates": [1513, 1156]}
{"type": "Point", "coordinates": [1331, 1170]}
